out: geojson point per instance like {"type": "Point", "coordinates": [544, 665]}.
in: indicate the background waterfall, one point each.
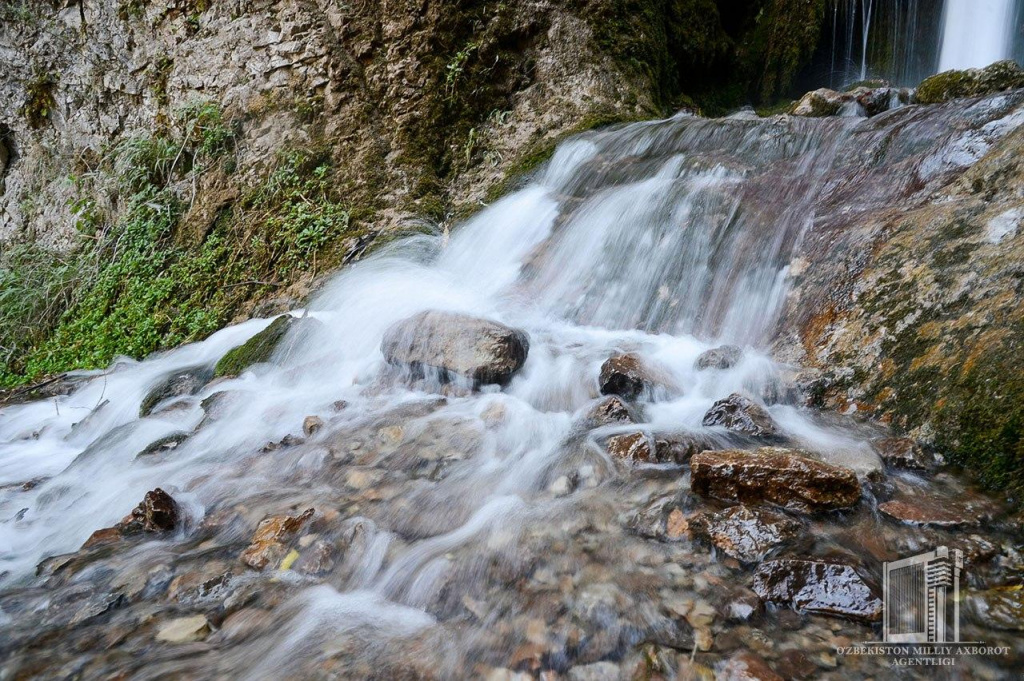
{"type": "Point", "coordinates": [976, 33]}
{"type": "Point", "coordinates": [905, 41]}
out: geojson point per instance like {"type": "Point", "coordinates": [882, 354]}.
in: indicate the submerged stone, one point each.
{"type": "Point", "coordinates": [927, 513]}
{"type": "Point", "coordinates": [663, 519]}
{"type": "Point", "coordinates": [722, 357]}
{"type": "Point", "coordinates": [817, 588]}
{"type": "Point", "coordinates": [741, 414]}
{"type": "Point", "coordinates": [776, 476]}
{"type": "Point", "coordinates": [749, 534]}
{"type": "Point", "coordinates": [1000, 608]}
{"type": "Point", "coordinates": [450, 343]}
{"type": "Point", "coordinates": [273, 536]}
{"type": "Point", "coordinates": [680, 447]}
{"type": "Point", "coordinates": [901, 452]}
{"type": "Point", "coordinates": [168, 443]}
{"type": "Point", "coordinates": [746, 666]}
{"type": "Point", "coordinates": [178, 384]}
{"type": "Point", "coordinates": [184, 630]}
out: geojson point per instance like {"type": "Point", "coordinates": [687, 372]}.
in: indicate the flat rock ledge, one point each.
{"type": "Point", "coordinates": [776, 476]}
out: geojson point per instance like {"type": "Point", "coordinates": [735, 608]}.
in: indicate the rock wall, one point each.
{"type": "Point", "coordinates": [248, 147]}
{"type": "Point", "coordinates": [910, 308]}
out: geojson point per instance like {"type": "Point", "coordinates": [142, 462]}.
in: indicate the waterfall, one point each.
{"type": "Point", "coordinates": [865, 33]}
{"type": "Point", "coordinates": [976, 33]}
{"type": "Point", "coordinates": [663, 238]}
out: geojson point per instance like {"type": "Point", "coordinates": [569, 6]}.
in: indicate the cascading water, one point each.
{"type": "Point", "coordinates": [976, 33]}
{"type": "Point", "coordinates": [464, 531]}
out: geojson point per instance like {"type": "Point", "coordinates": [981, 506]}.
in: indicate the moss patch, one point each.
{"type": "Point", "coordinates": [258, 349]}
{"type": "Point", "coordinates": [948, 85]}
{"type": "Point", "coordinates": [39, 100]}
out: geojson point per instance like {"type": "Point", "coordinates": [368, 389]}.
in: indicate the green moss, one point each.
{"type": "Point", "coordinates": [980, 421]}
{"type": "Point", "coordinates": [942, 87]}
{"type": "Point", "coordinates": [258, 349]}
{"type": "Point", "coordinates": [39, 101]}
{"type": "Point", "coordinates": [783, 40]}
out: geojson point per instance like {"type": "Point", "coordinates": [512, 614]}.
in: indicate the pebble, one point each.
{"type": "Point", "coordinates": [184, 630]}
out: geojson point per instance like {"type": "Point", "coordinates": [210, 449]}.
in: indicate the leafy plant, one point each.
{"type": "Point", "coordinates": [455, 68]}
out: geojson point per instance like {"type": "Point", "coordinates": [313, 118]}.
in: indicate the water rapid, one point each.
{"type": "Point", "coordinates": [466, 524]}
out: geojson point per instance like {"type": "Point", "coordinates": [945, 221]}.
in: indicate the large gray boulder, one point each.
{"type": "Point", "coordinates": [455, 344]}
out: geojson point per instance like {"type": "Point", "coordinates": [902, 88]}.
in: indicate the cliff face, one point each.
{"type": "Point", "coordinates": [909, 303]}
{"type": "Point", "coordinates": [276, 140]}
{"type": "Point", "coordinates": [178, 162]}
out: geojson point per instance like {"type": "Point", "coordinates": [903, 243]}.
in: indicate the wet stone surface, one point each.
{"type": "Point", "coordinates": [741, 414]}
{"type": "Point", "coordinates": [776, 476]}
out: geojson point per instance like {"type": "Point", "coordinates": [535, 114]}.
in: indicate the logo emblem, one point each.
{"type": "Point", "coordinates": [917, 604]}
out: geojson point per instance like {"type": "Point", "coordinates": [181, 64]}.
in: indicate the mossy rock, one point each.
{"type": "Point", "coordinates": [949, 85]}
{"type": "Point", "coordinates": [258, 349]}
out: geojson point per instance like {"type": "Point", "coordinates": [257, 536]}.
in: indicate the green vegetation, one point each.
{"type": "Point", "coordinates": [144, 282]}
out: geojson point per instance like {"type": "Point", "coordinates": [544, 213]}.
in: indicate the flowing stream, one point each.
{"type": "Point", "coordinates": [473, 522]}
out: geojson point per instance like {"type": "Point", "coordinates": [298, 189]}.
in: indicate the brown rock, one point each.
{"type": "Point", "coordinates": [746, 666]}
{"type": "Point", "coordinates": [273, 535]}
{"type": "Point", "coordinates": [741, 414]}
{"type": "Point", "coordinates": [749, 534]}
{"type": "Point", "coordinates": [158, 512]}
{"type": "Point", "coordinates": [609, 410]}
{"type": "Point", "coordinates": [108, 535]}
{"type": "Point", "coordinates": [901, 452]}
{"type": "Point", "coordinates": [631, 447]}
{"type": "Point", "coordinates": [629, 377]}
{"type": "Point", "coordinates": [814, 587]}
{"type": "Point", "coordinates": [776, 476]}
{"type": "Point", "coordinates": [457, 344]}
{"type": "Point", "coordinates": [311, 424]}
{"type": "Point", "coordinates": [927, 513]}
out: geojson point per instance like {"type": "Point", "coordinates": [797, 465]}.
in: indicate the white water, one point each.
{"type": "Point", "coordinates": [664, 238]}
{"type": "Point", "coordinates": [976, 33]}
